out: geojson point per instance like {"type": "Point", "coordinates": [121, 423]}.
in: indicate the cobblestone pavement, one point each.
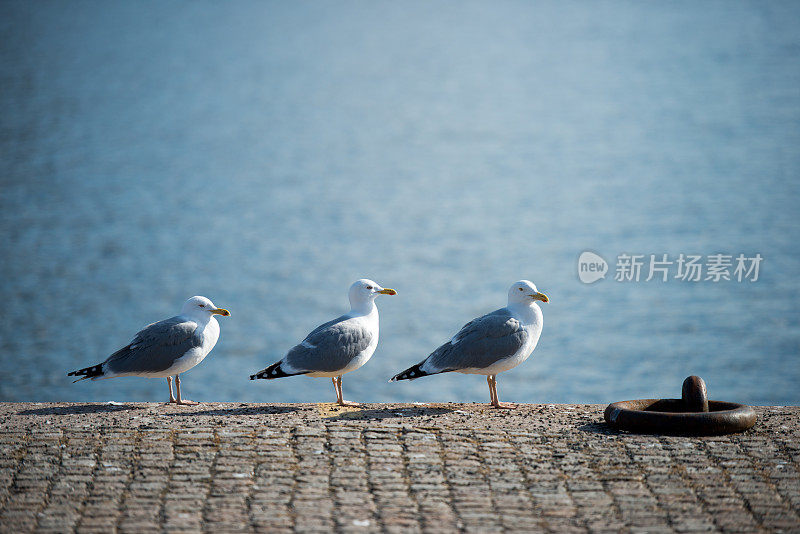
{"type": "Point", "coordinates": [394, 468]}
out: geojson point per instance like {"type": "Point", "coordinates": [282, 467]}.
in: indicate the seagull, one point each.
{"type": "Point", "coordinates": [490, 344]}
{"type": "Point", "coordinates": [166, 348]}
{"type": "Point", "coordinates": [338, 346]}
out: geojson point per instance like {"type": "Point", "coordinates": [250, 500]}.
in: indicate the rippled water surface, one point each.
{"type": "Point", "coordinates": [268, 154]}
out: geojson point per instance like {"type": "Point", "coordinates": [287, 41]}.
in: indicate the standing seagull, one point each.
{"type": "Point", "coordinates": [339, 346]}
{"type": "Point", "coordinates": [491, 344]}
{"type": "Point", "coordinates": [166, 348]}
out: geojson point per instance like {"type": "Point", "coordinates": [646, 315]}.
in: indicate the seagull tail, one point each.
{"type": "Point", "coordinates": [87, 372]}
{"type": "Point", "coordinates": [273, 371]}
{"type": "Point", "coordinates": [411, 373]}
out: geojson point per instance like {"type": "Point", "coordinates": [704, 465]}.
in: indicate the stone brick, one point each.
{"type": "Point", "coordinates": [385, 468]}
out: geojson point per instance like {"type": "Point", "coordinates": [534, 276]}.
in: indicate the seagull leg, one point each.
{"type": "Point", "coordinates": [496, 402]}
{"type": "Point", "coordinates": [336, 388]}
{"type": "Point", "coordinates": [340, 395]}
{"type": "Point", "coordinates": [492, 400]}
{"type": "Point", "coordinates": [171, 396]}
{"type": "Point", "coordinates": [187, 402]}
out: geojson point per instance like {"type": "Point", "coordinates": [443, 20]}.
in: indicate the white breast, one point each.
{"type": "Point", "coordinates": [210, 333]}
{"type": "Point", "coordinates": [370, 322]}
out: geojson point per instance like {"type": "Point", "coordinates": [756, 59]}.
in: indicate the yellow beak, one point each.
{"type": "Point", "coordinates": [540, 296]}
{"type": "Point", "coordinates": [387, 291]}
{"type": "Point", "coordinates": [221, 311]}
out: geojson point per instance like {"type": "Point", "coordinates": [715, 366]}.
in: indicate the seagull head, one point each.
{"type": "Point", "coordinates": [201, 306]}
{"type": "Point", "coordinates": [524, 292]}
{"type": "Point", "coordinates": [365, 290]}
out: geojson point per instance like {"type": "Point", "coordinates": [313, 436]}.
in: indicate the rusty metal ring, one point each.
{"type": "Point", "coordinates": [668, 416]}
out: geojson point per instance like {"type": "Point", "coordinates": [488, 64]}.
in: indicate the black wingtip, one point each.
{"type": "Point", "coordinates": [87, 372]}
{"type": "Point", "coordinates": [411, 373]}
{"type": "Point", "coordinates": [273, 371]}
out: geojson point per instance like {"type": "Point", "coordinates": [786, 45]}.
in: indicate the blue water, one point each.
{"type": "Point", "coordinates": [268, 154]}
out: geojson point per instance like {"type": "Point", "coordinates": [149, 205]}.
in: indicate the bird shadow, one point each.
{"type": "Point", "coordinates": [387, 413]}
{"type": "Point", "coordinates": [80, 409]}
{"type": "Point", "coordinates": [242, 410]}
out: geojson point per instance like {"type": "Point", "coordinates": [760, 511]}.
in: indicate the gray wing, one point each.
{"type": "Point", "coordinates": [156, 347]}
{"type": "Point", "coordinates": [329, 347]}
{"type": "Point", "coordinates": [479, 344]}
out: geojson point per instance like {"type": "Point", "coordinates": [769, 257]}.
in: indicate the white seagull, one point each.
{"type": "Point", "coordinates": [338, 346]}
{"type": "Point", "coordinates": [166, 348]}
{"type": "Point", "coordinates": [490, 344]}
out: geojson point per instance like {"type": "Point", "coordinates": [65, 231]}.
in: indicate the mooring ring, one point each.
{"type": "Point", "coordinates": [668, 416]}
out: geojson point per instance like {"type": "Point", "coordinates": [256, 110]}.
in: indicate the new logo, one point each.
{"type": "Point", "coordinates": [591, 267]}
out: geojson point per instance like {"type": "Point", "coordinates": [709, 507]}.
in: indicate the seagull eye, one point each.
{"type": "Point", "coordinates": [369, 287]}
{"type": "Point", "coordinates": [520, 288]}
{"type": "Point", "coordinates": [202, 305]}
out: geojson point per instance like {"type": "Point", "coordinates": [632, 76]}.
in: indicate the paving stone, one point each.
{"type": "Point", "coordinates": [385, 468]}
